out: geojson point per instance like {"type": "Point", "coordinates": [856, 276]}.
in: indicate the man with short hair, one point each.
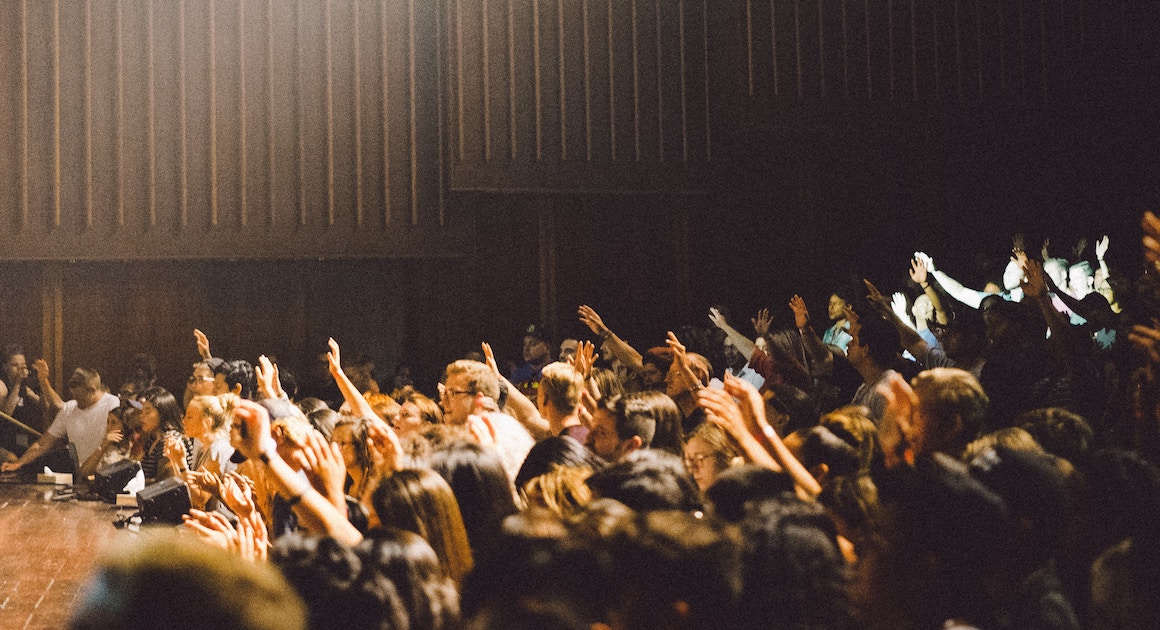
{"type": "Point", "coordinates": [470, 389]}
{"type": "Point", "coordinates": [873, 348]}
{"type": "Point", "coordinates": [82, 421]}
{"type": "Point", "coordinates": [615, 432]}
{"type": "Point", "coordinates": [558, 399]}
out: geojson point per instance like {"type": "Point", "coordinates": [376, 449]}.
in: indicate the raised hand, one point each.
{"type": "Point", "coordinates": [801, 314]}
{"type": "Point", "coordinates": [267, 376]}
{"type": "Point", "coordinates": [1102, 247]}
{"type": "Point", "coordinates": [717, 318]}
{"type": "Point", "coordinates": [762, 321]}
{"type": "Point", "coordinates": [174, 451]}
{"type": "Point", "coordinates": [875, 297]}
{"type": "Point", "coordinates": [723, 411]}
{"type": "Point", "coordinates": [251, 540]}
{"type": "Point", "coordinates": [590, 319]}
{"type": "Point", "coordinates": [211, 527]}
{"type": "Point", "coordinates": [324, 466]}
{"type": "Point", "coordinates": [1034, 283]}
{"type": "Point", "coordinates": [41, 367]}
{"type": "Point", "coordinates": [384, 446]}
{"type": "Point", "coordinates": [489, 358]}
{"type": "Point", "coordinates": [895, 430]}
{"type": "Point", "coordinates": [1151, 224]}
{"type": "Point", "coordinates": [749, 401]}
{"type": "Point", "coordinates": [584, 358]}
{"type": "Point", "coordinates": [202, 344]}
{"type": "Point", "coordinates": [1043, 255]}
{"type": "Point", "coordinates": [237, 493]}
{"type": "Point", "coordinates": [253, 423]}
{"type": "Point", "coordinates": [918, 271]}
{"type": "Point", "coordinates": [479, 430]}
{"type": "Point", "coordinates": [898, 305]}
{"type": "Point", "coordinates": [926, 260]}
{"type": "Point", "coordinates": [334, 358]}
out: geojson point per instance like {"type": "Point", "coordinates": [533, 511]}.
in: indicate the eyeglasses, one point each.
{"type": "Point", "coordinates": [696, 461]}
{"type": "Point", "coordinates": [194, 380]}
{"type": "Point", "coordinates": [452, 393]}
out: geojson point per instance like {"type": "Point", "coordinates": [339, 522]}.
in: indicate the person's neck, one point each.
{"type": "Point", "coordinates": [870, 372]}
{"type": "Point", "coordinates": [558, 422]}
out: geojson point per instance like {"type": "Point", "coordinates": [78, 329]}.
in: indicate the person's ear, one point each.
{"type": "Point", "coordinates": [633, 443]}
{"type": "Point", "coordinates": [237, 390]}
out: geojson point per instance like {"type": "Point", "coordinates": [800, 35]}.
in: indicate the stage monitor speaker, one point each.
{"type": "Point", "coordinates": [112, 479]}
{"type": "Point", "coordinates": [164, 502]}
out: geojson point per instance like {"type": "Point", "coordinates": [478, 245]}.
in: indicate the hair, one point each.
{"type": "Point", "coordinates": [852, 424]}
{"type": "Point", "coordinates": [324, 420]}
{"type": "Point", "coordinates": [553, 452]}
{"type": "Point", "coordinates": [168, 409]}
{"type": "Point", "coordinates": [737, 487]}
{"type": "Point", "coordinates": [384, 406]}
{"type": "Point", "coordinates": [633, 418]}
{"type": "Point", "coordinates": [480, 378]}
{"type": "Point", "coordinates": [562, 490]}
{"type": "Point", "coordinates": [954, 405]}
{"type": "Point", "coordinates": [607, 383]}
{"type": "Point", "coordinates": [880, 337]}
{"type": "Point", "coordinates": [821, 446]}
{"type": "Point", "coordinates": [9, 351]}
{"type": "Point", "coordinates": [428, 595]}
{"type": "Point", "coordinates": [669, 434]}
{"type": "Point", "coordinates": [171, 581]}
{"type": "Point", "coordinates": [717, 439]}
{"type": "Point", "coordinates": [219, 409]}
{"type": "Point", "coordinates": [792, 544]}
{"type": "Point", "coordinates": [142, 369]}
{"type": "Point", "coordinates": [358, 432]}
{"type": "Point", "coordinates": [700, 366]}
{"type": "Point", "coordinates": [419, 500]}
{"type": "Point", "coordinates": [1059, 431]}
{"type": "Point", "coordinates": [87, 378]}
{"type": "Point", "coordinates": [648, 480]}
{"type": "Point", "coordinates": [481, 486]}
{"type": "Point", "coordinates": [238, 372]}
{"type": "Point", "coordinates": [310, 405]}
{"type": "Point", "coordinates": [429, 410]}
{"type": "Point", "coordinates": [1012, 438]}
{"type": "Point", "coordinates": [561, 384]}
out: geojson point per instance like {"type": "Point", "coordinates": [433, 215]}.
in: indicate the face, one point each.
{"type": "Point", "coordinates": [676, 382]}
{"type": "Point", "coordinates": [15, 368]}
{"type": "Point", "coordinates": [150, 419]}
{"type": "Point", "coordinates": [836, 307]}
{"type": "Point", "coordinates": [1080, 283]}
{"type": "Point", "coordinates": [568, 348]}
{"type": "Point", "coordinates": [651, 374]}
{"type": "Point", "coordinates": [456, 398]}
{"type": "Point", "coordinates": [535, 350]}
{"type": "Point", "coordinates": [344, 437]}
{"type": "Point", "coordinates": [202, 381]}
{"type": "Point", "coordinates": [195, 423]}
{"type": "Point", "coordinates": [703, 463]}
{"type": "Point", "coordinates": [410, 419]}
{"type": "Point", "coordinates": [602, 439]}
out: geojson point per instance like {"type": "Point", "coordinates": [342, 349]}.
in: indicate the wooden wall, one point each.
{"type": "Point", "coordinates": [415, 176]}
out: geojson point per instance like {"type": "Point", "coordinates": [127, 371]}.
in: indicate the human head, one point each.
{"type": "Point", "coordinates": [13, 364]}
{"type": "Point", "coordinates": [416, 413]}
{"type": "Point", "coordinates": [481, 486]}
{"type": "Point", "coordinates": [923, 308]}
{"type": "Point", "coordinates": [620, 426]}
{"type": "Point", "coordinates": [875, 340]}
{"type": "Point", "coordinates": [419, 500]}
{"type": "Point", "coordinates": [656, 364]}
{"type": "Point", "coordinates": [560, 387]}
{"type": "Point", "coordinates": [351, 436]}
{"type": "Point", "coordinates": [738, 487]}
{"type": "Point", "coordinates": [676, 380]}
{"type": "Point", "coordinates": [201, 380]}
{"type": "Point", "coordinates": [836, 307]}
{"type": "Point", "coordinates": [85, 387]}
{"type": "Point", "coordinates": [1056, 269]}
{"type": "Point", "coordinates": [208, 415]}
{"type": "Point", "coordinates": [166, 580]}
{"type": "Point", "coordinates": [707, 453]}
{"type": "Point", "coordinates": [537, 351]}
{"type": "Point", "coordinates": [1080, 279]}
{"type": "Point", "coordinates": [648, 480]}
{"type": "Point", "coordinates": [1012, 275]}
{"type": "Point", "coordinates": [568, 349]}
{"type": "Point", "coordinates": [1059, 431]}
{"type": "Point", "coordinates": [165, 405]}
{"type": "Point", "coordinates": [553, 452]}
{"type": "Point", "coordinates": [951, 409]}
{"type": "Point", "coordinates": [465, 380]}
{"type": "Point", "coordinates": [236, 377]}
{"type": "Point", "coordinates": [669, 432]}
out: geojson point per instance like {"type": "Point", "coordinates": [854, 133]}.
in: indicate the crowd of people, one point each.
{"type": "Point", "coordinates": [942, 457]}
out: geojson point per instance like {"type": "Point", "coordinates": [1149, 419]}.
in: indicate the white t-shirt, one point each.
{"type": "Point", "coordinates": [85, 428]}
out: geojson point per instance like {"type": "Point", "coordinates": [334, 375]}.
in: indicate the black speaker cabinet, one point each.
{"type": "Point", "coordinates": [164, 502]}
{"type": "Point", "coordinates": [111, 480]}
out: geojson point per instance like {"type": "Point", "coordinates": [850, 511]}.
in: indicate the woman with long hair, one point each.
{"type": "Point", "coordinates": [160, 418]}
{"type": "Point", "coordinates": [419, 500]}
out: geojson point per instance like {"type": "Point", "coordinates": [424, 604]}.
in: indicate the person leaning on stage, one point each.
{"type": "Point", "coordinates": [81, 421]}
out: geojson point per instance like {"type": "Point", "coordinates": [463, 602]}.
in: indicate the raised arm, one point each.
{"type": "Point", "coordinates": [821, 359]}
{"type": "Point", "coordinates": [52, 400]}
{"type": "Point", "coordinates": [520, 406]}
{"type": "Point", "coordinates": [617, 346]}
{"type": "Point", "coordinates": [743, 344]}
{"type": "Point", "coordinates": [970, 297]}
{"type": "Point", "coordinates": [918, 273]}
{"type": "Point", "coordinates": [908, 338]}
{"type": "Point", "coordinates": [1061, 340]}
{"type": "Point", "coordinates": [358, 404]}
{"type": "Point", "coordinates": [313, 509]}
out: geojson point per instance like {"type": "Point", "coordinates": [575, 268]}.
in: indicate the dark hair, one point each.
{"type": "Point", "coordinates": [324, 420]}
{"type": "Point", "coordinates": [358, 433]}
{"type": "Point", "coordinates": [607, 382]}
{"type": "Point", "coordinates": [552, 452]}
{"type": "Point", "coordinates": [9, 351]}
{"type": "Point", "coordinates": [792, 544]}
{"type": "Point", "coordinates": [1059, 431]}
{"type": "Point", "coordinates": [428, 596]}
{"type": "Point", "coordinates": [481, 486]}
{"type": "Point", "coordinates": [668, 433]}
{"type": "Point", "coordinates": [238, 372]}
{"type": "Point", "coordinates": [737, 486]}
{"type": "Point", "coordinates": [881, 337]}
{"type": "Point", "coordinates": [648, 480]}
{"type": "Point", "coordinates": [168, 409]}
{"type": "Point", "coordinates": [821, 446]}
{"type": "Point", "coordinates": [419, 500]}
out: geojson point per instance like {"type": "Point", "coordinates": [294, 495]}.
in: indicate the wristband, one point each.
{"type": "Point", "coordinates": [925, 286]}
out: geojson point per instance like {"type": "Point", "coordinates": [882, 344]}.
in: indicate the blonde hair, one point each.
{"type": "Point", "coordinates": [561, 490]}
{"type": "Point", "coordinates": [219, 409]}
{"type": "Point", "coordinates": [561, 384]}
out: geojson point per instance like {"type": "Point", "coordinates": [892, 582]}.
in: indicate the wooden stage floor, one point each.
{"type": "Point", "coordinates": [48, 549]}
